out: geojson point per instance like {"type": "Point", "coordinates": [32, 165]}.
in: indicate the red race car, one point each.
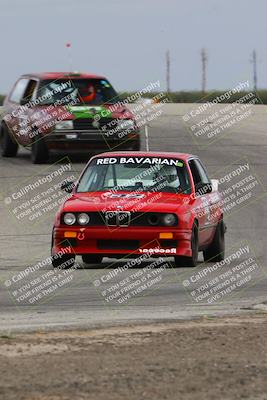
{"type": "Point", "coordinates": [65, 112]}
{"type": "Point", "coordinates": [136, 203]}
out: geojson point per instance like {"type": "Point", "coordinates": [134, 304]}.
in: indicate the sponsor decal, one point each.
{"type": "Point", "coordinates": [140, 160]}
{"type": "Point", "coordinates": [157, 250]}
{"type": "Point", "coordinates": [123, 195]}
{"type": "Point", "coordinates": [89, 111]}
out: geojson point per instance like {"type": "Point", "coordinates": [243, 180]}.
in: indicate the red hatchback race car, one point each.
{"type": "Point", "coordinates": [69, 112]}
{"type": "Point", "coordinates": [134, 203]}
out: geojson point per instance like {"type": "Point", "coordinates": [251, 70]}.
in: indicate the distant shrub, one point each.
{"type": "Point", "coordinates": [190, 96]}
{"type": "Point", "coordinates": [197, 96]}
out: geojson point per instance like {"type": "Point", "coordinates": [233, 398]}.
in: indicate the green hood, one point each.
{"type": "Point", "coordinates": [89, 111]}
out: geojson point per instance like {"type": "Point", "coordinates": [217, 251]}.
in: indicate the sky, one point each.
{"type": "Point", "coordinates": [126, 40]}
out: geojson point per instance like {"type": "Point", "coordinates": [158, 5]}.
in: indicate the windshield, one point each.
{"type": "Point", "coordinates": [85, 91]}
{"type": "Point", "coordinates": [135, 173]}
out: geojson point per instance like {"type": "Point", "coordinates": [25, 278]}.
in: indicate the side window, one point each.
{"type": "Point", "coordinates": [202, 173]}
{"type": "Point", "coordinates": [19, 90]}
{"type": "Point", "coordinates": [199, 174]}
{"type": "Point", "coordinates": [194, 171]}
{"type": "Point", "coordinates": [31, 87]}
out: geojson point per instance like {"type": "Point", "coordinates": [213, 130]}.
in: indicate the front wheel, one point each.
{"type": "Point", "coordinates": [8, 147]}
{"type": "Point", "coordinates": [39, 153]}
{"type": "Point", "coordinates": [215, 251]}
{"type": "Point", "coordinates": [182, 261]}
{"type": "Point", "coordinates": [63, 262]}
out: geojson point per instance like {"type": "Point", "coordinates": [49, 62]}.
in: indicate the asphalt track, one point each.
{"type": "Point", "coordinates": [80, 303]}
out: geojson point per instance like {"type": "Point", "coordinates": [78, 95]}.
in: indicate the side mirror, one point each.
{"type": "Point", "coordinates": [67, 186]}
{"type": "Point", "coordinates": [215, 185]}
{"type": "Point", "coordinates": [203, 188]}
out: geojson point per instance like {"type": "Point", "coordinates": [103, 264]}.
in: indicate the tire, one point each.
{"type": "Point", "coordinates": [182, 261]}
{"type": "Point", "coordinates": [39, 152]}
{"type": "Point", "coordinates": [59, 262]}
{"type": "Point", "coordinates": [92, 259]}
{"type": "Point", "coordinates": [63, 262]}
{"type": "Point", "coordinates": [215, 251]}
{"type": "Point", "coordinates": [8, 147]}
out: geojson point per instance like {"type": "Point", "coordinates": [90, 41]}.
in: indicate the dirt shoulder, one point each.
{"type": "Point", "coordinates": [215, 358]}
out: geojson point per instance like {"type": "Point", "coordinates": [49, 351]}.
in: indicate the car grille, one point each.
{"type": "Point", "coordinates": [88, 124]}
{"type": "Point", "coordinates": [117, 218]}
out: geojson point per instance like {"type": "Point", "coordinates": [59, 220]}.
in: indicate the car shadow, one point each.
{"type": "Point", "coordinates": [117, 263]}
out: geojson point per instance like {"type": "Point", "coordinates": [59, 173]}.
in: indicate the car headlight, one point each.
{"type": "Point", "coordinates": [126, 124]}
{"type": "Point", "coordinates": [153, 219]}
{"type": "Point", "coordinates": [169, 219]}
{"type": "Point", "coordinates": [64, 125]}
{"type": "Point", "coordinates": [83, 219]}
{"type": "Point", "coordinates": [69, 219]}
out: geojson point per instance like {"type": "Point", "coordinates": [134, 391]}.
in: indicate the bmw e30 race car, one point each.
{"type": "Point", "coordinates": [65, 111]}
{"type": "Point", "coordinates": [131, 203]}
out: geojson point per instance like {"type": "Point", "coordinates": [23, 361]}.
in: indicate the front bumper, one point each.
{"type": "Point", "coordinates": [119, 240]}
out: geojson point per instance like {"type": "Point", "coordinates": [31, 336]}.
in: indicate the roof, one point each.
{"type": "Point", "coordinates": [160, 154]}
{"type": "Point", "coordinates": [63, 75]}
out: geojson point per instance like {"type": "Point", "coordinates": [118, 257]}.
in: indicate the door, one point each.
{"type": "Point", "coordinates": [202, 201]}
{"type": "Point", "coordinates": [15, 112]}
{"type": "Point", "coordinates": [31, 114]}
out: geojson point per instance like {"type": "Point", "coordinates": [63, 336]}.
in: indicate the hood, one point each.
{"type": "Point", "coordinates": [103, 111]}
{"type": "Point", "coordinates": [128, 201]}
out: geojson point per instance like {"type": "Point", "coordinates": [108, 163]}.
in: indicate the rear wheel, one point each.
{"type": "Point", "coordinates": [92, 259]}
{"type": "Point", "coordinates": [39, 153]}
{"type": "Point", "coordinates": [182, 261]}
{"type": "Point", "coordinates": [215, 251]}
{"type": "Point", "coordinates": [8, 147]}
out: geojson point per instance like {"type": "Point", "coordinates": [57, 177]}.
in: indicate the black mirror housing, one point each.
{"type": "Point", "coordinates": [67, 186]}
{"type": "Point", "coordinates": [203, 188]}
